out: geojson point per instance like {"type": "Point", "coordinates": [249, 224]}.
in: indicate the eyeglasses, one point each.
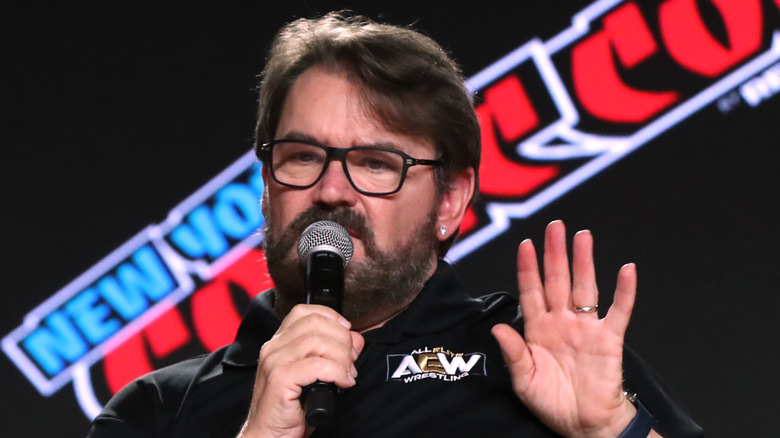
{"type": "Point", "coordinates": [372, 170]}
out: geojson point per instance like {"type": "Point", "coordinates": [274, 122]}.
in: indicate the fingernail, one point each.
{"type": "Point", "coordinates": [344, 322]}
{"type": "Point", "coordinates": [354, 353]}
{"type": "Point", "coordinates": [353, 371]}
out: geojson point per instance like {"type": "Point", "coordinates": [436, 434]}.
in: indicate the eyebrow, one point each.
{"type": "Point", "coordinates": [302, 136]}
{"type": "Point", "coordinates": [298, 135]}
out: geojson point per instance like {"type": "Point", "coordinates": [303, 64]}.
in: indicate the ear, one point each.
{"type": "Point", "coordinates": [266, 172]}
{"type": "Point", "coordinates": [454, 203]}
{"type": "Point", "coordinates": [264, 202]}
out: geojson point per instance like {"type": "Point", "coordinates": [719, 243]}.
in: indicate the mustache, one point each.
{"type": "Point", "coordinates": [353, 221]}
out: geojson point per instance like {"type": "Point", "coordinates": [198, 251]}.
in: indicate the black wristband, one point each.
{"type": "Point", "coordinates": [642, 423]}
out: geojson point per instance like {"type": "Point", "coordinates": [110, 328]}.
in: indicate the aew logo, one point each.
{"type": "Point", "coordinates": [437, 363]}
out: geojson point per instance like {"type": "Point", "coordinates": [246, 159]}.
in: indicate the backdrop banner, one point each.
{"type": "Point", "coordinates": [132, 222]}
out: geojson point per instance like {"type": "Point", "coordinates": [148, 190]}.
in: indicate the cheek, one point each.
{"type": "Point", "coordinates": [283, 206]}
{"type": "Point", "coordinates": [395, 226]}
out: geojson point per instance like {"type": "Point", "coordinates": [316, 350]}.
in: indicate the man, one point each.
{"type": "Point", "coordinates": [370, 126]}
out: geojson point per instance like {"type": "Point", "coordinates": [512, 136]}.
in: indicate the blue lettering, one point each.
{"type": "Point", "coordinates": [55, 343]}
{"type": "Point", "coordinates": [256, 179]}
{"type": "Point", "coordinates": [92, 317]}
{"type": "Point", "coordinates": [61, 340]}
{"type": "Point", "coordinates": [129, 303]}
{"type": "Point", "coordinates": [237, 211]}
{"type": "Point", "coordinates": [200, 236]}
{"type": "Point", "coordinates": [147, 275]}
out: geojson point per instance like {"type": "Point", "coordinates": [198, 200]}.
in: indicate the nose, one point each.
{"type": "Point", "coordinates": [334, 188]}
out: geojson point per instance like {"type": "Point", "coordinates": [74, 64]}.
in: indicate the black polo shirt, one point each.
{"type": "Point", "coordinates": [432, 371]}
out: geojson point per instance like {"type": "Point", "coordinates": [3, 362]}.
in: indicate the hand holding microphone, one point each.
{"type": "Point", "coordinates": [313, 342]}
{"type": "Point", "coordinates": [325, 248]}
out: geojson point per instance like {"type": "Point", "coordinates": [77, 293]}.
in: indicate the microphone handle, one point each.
{"type": "Point", "coordinates": [324, 286]}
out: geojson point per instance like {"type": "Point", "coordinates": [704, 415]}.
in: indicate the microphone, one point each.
{"type": "Point", "coordinates": [325, 248]}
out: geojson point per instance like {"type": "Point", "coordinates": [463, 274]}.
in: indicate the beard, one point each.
{"type": "Point", "coordinates": [376, 287]}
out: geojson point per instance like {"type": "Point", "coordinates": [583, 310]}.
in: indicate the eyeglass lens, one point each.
{"type": "Point", "coordinates": [370, 170]}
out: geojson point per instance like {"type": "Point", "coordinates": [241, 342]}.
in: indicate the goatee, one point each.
{"type": "Point", "coordinates": [376, 287]}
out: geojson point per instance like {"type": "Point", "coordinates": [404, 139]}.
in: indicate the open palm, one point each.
{"type": "Point", "coordinates": [568, 369]}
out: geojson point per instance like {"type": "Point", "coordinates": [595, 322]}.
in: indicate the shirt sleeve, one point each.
{"type": "Point", "coordinates": [129, 414]}
{"type": "Point", "coordinates": [147, 406]}
{"type": "Point", "coordinates": [672, 421]}
{"type": "Point", "coordinates": [671, 418]}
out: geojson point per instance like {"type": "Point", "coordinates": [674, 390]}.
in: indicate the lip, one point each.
{"type": "Point", "coordinates": [352, 233]}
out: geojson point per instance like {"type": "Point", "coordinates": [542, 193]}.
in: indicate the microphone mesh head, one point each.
{"type": "Point", "coordinates": [325, 235]}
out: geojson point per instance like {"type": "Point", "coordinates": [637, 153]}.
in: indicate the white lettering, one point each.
{"type": "Point", "coordinates": [444, 377]}
{"type": "Point", "coordinates": [761, 87]}
{"type": "Point", "coordinates": [457, 364]}
{"type": "Point", "coordinates": [407, 366]}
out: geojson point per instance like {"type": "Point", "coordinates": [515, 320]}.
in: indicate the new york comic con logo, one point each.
{"type": "Point", "coordinates": [553, 114]}
{"type": "Point", "coordinates": [434, 363]}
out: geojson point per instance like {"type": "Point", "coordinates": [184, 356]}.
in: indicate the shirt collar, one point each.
{"type": "Point", "coordinates": [442, 303]}
{"type": "Point", "coordinates": [257, 327]}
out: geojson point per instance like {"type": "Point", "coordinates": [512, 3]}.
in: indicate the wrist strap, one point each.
{"type": "Point", "coordinates": [642, 423]}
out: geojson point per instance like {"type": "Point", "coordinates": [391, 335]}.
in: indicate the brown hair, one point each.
{"type": "Point", "coordinates": [409, 83]}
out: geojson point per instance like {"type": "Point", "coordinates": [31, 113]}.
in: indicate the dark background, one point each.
{"type": "Point", "coordinates": [112, 113]}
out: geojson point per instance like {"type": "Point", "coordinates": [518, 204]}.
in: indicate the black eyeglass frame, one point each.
{"type": "Point", "coordinates": [264, 153]}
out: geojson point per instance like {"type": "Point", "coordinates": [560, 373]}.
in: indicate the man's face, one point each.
{"type": "Point", "coordinates": [394, 236]}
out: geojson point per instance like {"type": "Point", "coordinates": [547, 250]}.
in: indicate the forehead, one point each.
{"type": "Point", "coordinates": [326, 106]}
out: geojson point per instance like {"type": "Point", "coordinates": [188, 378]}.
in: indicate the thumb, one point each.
{"type": "Point", "coordinates": [516, 355]}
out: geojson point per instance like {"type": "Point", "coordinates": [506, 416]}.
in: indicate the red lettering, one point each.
{"type": "Point", "coordinates": [470, 219]}
{"type": "Point", "coordinates": [214, 313]}
{"type": "Point", "coordinates": [125, 363]}
{"type": "Point", "coordinates": [215, 317]}
{"type": "Point", "coordinates": [250, 271]}
{"type": "Point", "coordinates": [131, 359]}
{"type": "Point", "coordinates": [166, 333]}
{"type": "Point", "coordinates": [596, 80]}
{"type": "Point", "coordinates": [507, 112]}
{"type": "Point", "coordinates": [693, 46]}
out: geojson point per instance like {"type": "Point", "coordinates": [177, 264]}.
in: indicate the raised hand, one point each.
{"type": "Point", "coordinates": [568, 369]}
{"type": "Point", "coordinates": [313, 343]}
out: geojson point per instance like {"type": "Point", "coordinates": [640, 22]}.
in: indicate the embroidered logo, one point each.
{"type": "Point", "coordinates": [435, 363]}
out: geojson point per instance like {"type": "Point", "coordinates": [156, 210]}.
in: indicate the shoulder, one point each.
{"type": "Point", "coordinates": [160, 388]}
{"type": "Point", "coordinates": [500, 307]}
{"type": "Point", "coordinates": [143, 405]}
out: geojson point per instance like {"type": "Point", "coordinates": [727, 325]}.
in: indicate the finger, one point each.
{"type": "Point", "coordinates": [311, 335]}
{"type": "Point", "coordinates": [285, 351]}
{"type": "Point", "coordinates": [623, 304]}
{"type": "Point", "coordinates": [584, 291]}
{"type": "Point", "coordinates": [297, 375]}
{"type": "Point", "coordinates": [516, 355]}
{"type": "Point", "coordinates": [357, 343]}
{"type": "Point", "coordinates": [532, 302]}
{"type": "Point", "coordinates": [316, 324]}
{"type": "Point", "coordinates": [303, 310]}
{"type": "Point", "coordinates": [557, 280]}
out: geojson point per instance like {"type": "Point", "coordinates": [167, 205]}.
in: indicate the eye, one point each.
{"type": "Point", "coordinates": [376, 161]}
{"type": "Point", "coordinates": [303, 157]}
{"type": "Point", "coordinates": [299, 154]}
{"type": "Point", "coordinates": [376, 164]}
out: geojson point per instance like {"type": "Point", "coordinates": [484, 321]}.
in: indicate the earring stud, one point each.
{"type": "Point", "coordinates": [443, 230]}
